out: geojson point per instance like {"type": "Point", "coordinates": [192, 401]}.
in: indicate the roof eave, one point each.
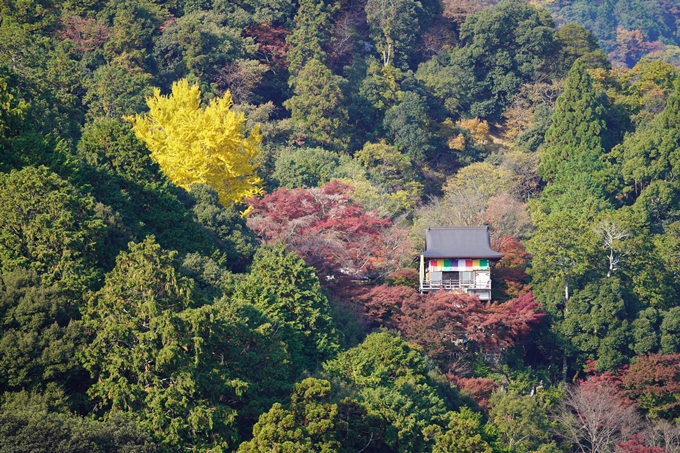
{"type": "Point", "coordinates": [485, 257]}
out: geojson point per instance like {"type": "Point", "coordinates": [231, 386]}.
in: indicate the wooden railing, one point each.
{"type": "Point", "coordinates": [454, 284]}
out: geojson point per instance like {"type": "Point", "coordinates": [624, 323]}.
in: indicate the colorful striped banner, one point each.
{"type": "Point", "coordinates": [451, 265]}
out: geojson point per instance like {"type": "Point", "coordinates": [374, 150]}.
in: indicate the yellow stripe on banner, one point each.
{"type": "Point", "coordinates": [476, 265]}
{"type": "Point", "coordinates": [440, 264]}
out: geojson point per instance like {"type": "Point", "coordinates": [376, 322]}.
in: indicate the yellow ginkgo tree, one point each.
{"type": "Point", "coordinates": [195, 145]}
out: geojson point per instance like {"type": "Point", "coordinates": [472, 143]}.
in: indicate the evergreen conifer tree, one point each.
{"type": "Point", "coordinates": [283, 287]}
{"type": "Point", "coordinates": [317, 104]}
{"type": "Point", "coordinates": [653, 153]}
{"type": "Point", "coordinates": [312, 30]}
{"type": "Point", "coordinates": [179, 370]}
{"type": "Point", "coordinates": [578, 126]}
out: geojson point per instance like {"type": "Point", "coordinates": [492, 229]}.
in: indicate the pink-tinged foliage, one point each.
{"type": "Point", "coordinates": [444, 323]}
{"type": "Point", "coordinates": [511, 320]}
{"type": "Point", "coordinates": [606, 378]}
{"type": "Point", "coordinates": [480, 389]}
{"type": "Point", "coordinates": [507, 217]}
{"type": "Point", "coordinates": [86, 33]}
{"type": "Point", "coordinates": [516, 255]}
{"type": "Point", "coordinates": [595, 416]}
{"type": "Point", "coordinates": [636, 444]}
{"type": "Point", "coordinates": [654, 381]}
{"type": "Point", "coordinates": [382, 304]}
{"type": "Point", "coordinates": [271, 41]}
{"type": "Point", "coordinates": [440, 322]}
{"type": "Point", "coordinates": [328, 230]}
{"type": "Point", "coordinates": [509, 275]}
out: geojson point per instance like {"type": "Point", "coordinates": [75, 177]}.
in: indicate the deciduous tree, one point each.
{"type": "Point", "coordinates": [394, 28]}
{"type": "Point", "coordinates": [654, 382]}
{"type": "Point", "coordinates": [326, 228]}
{"type": "Point", "coordinates": [445, 323]}
{"type": "Point", "coordinates": [523, 425]}
{"type": "Point", "coordinates": [195, 145]}
{"type": "Point", "coordinates": [595, 416]}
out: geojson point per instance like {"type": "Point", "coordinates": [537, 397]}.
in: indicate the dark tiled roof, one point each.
{"type": "Point", "coordinates": [459, 242]}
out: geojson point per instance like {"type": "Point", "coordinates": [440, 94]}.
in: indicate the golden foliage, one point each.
{"type": "Point", "coordinates": [457, 142]}
{"type": "Point", "coordinates": [195, 145]}
{"type": "Point", "coordinates": [519, 114]}
{"type": "Point", "coordinates": [477, 130]}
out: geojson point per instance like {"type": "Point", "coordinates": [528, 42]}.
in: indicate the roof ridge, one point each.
{"type": "Point", "coordinates": [459, 242]}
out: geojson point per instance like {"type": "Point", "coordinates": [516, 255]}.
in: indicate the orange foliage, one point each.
{"type": "Point", "coordinates": [272, 45]}
{"type": "Point", "coordinates": [87, 34]}
{"type": "Point", "coordinates": [480, 389]}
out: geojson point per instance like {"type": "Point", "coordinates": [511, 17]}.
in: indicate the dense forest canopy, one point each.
{"type": "Point", "coordinates": [210, 209]}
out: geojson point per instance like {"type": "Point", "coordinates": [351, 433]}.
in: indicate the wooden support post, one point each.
{"type": "Point", "coordinates": [422, 271]}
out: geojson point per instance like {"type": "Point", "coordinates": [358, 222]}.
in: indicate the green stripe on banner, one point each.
{"type": "Point", "coordinates": [484, 264]}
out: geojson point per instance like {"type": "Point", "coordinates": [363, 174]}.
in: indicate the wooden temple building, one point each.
{"type": "Point", "coordinates": [457, 259]}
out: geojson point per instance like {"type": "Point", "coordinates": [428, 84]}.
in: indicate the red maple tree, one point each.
{"type": "Point", "coordinates": [636, 444]}
{"type": "Point", "coordinates": [448, 326]}
{"type": "Point", "coordinates": [448, 323]}
{"type": "Point", "coordinates": [329, 230]}
{"type": "Point", "coordinates": [479, 388]}
{"type": "Point", "coordinates": [654, 381]}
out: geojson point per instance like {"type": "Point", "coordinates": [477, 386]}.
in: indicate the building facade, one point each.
{"type": "Point", "coordinates": [458, 259]}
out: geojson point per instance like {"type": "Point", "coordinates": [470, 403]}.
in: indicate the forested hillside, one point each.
{"type": "Point", "coordinates": [210, 213]}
